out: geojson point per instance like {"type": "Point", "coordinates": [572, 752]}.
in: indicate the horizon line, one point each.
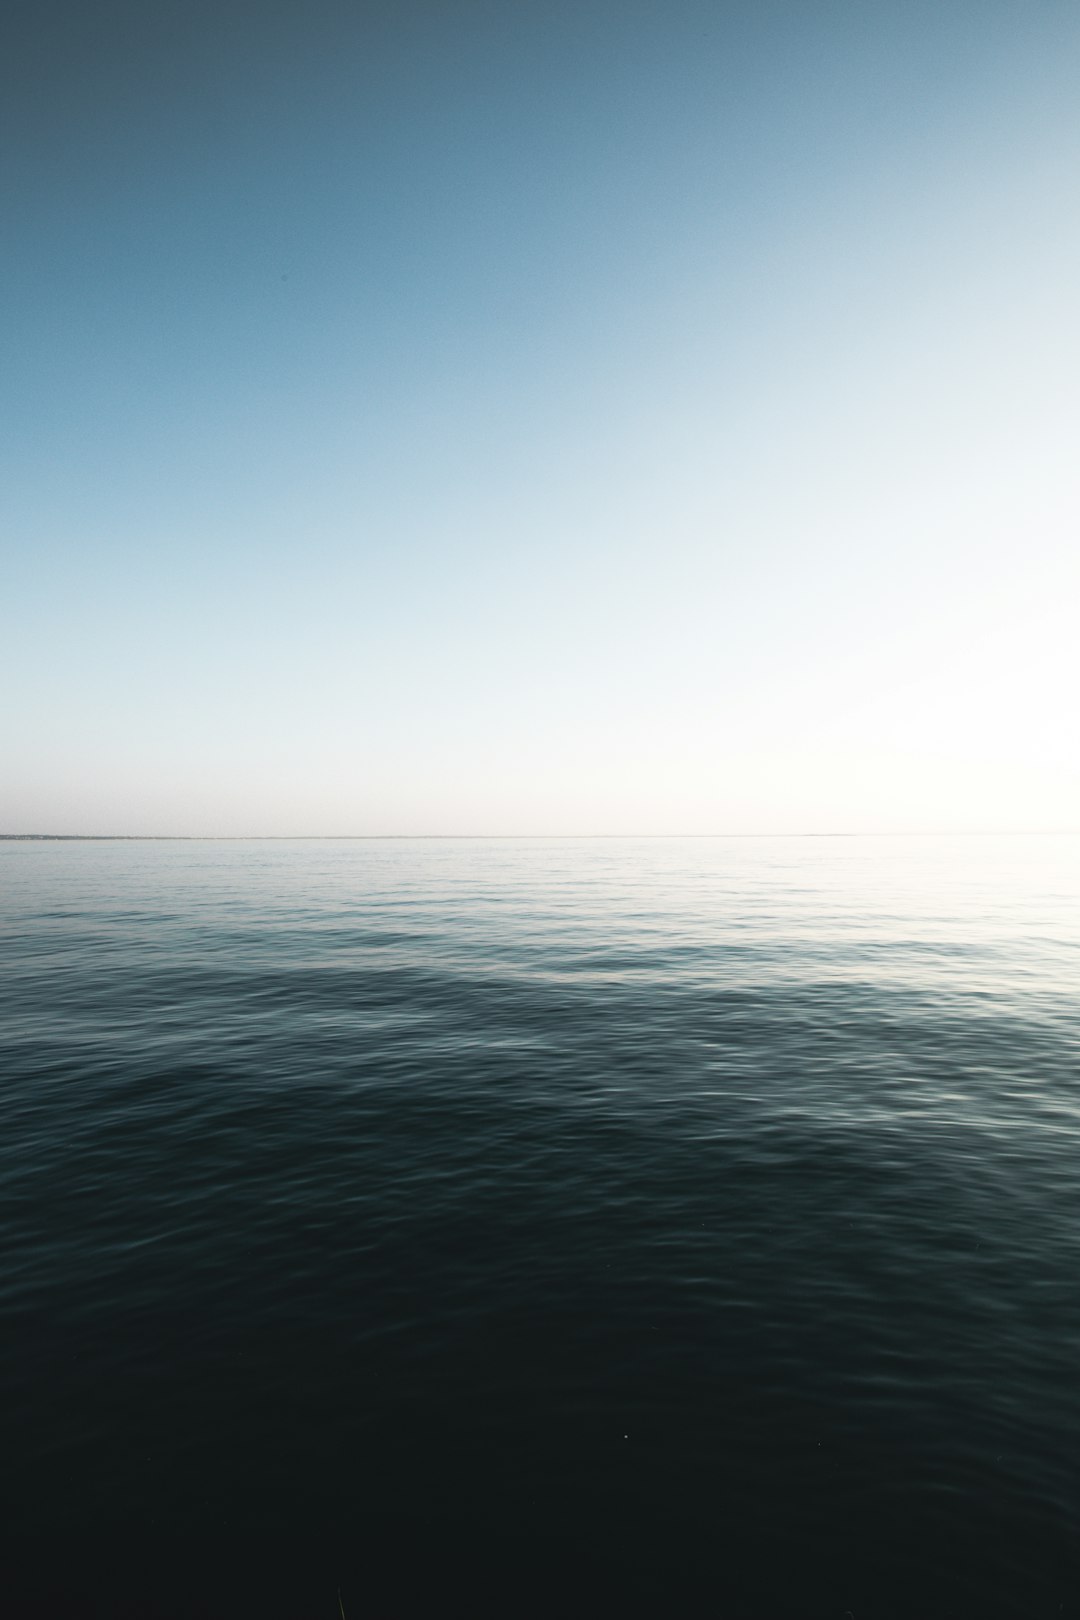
{"type": "Point", "coordinates": [338, 838]}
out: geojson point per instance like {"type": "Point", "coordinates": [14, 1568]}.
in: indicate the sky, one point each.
{"type": "Point", "coordinates": [539, 418]}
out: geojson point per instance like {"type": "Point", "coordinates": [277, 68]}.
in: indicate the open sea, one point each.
{"type": "Point", "coordinates": [660, 1226]}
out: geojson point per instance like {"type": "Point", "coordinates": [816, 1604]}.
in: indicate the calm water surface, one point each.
{"type": "Point", "coordinates": [680, 1226]}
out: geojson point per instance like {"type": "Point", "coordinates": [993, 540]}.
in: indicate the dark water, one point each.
{"type": "Point", "coordinates": [556, 1227]}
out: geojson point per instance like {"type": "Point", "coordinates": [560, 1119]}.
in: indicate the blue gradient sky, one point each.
{"type": "Point", "coordinates": [562, 418]}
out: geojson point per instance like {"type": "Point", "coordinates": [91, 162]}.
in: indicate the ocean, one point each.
{"type": "Point", "coordinates": [557, 1226]}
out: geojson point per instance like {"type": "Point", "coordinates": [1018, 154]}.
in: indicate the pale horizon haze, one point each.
{"type": "Point", "coordinates": [479, 419]}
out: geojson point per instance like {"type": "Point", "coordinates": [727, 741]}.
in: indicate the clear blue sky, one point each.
{"type": "Point", "coordinates": [539, 418]}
